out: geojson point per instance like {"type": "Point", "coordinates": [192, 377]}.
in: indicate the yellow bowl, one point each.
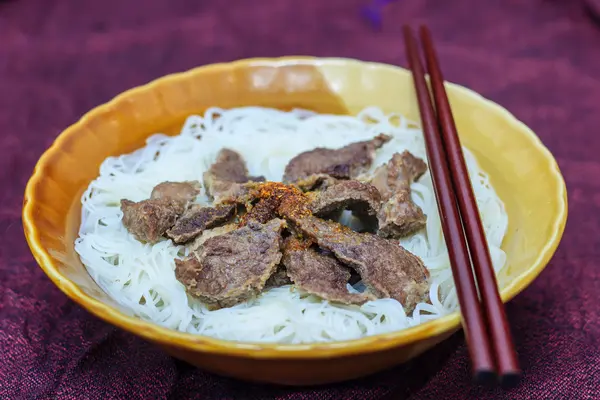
{"type": "Point", "coordinates": [522, 170]}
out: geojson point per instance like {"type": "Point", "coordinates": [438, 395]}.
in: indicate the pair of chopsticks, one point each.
{"type": "Point", "coordinates": [486, 328]}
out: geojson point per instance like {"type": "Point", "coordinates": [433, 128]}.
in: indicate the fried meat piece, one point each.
{"type": "Point", "coordinates": [232, 268]}
{"type": "Point", "coordinates": [345, 163]}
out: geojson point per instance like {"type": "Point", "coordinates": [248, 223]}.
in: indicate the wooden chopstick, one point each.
{"type": "Point", "coordinates": [505, 355]}
{"type": "Point", "coordinates": [478, 342]}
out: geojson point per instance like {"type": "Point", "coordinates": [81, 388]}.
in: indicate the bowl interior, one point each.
{"type": "Point", "coordinates": [522, 171]}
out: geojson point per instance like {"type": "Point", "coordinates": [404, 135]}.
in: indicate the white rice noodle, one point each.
{"type": "Point", "coordinates": [141, 276]}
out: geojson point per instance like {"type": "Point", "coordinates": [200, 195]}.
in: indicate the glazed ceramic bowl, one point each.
{"type": "Point", "coordinates": [521, 169]}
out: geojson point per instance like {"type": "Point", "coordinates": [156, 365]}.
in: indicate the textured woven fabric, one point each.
{"type": "Point", "coordinates": [58, 59]}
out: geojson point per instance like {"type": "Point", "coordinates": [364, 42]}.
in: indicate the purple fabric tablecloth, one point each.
{"type": "Point", "coordinates": [58, 59]}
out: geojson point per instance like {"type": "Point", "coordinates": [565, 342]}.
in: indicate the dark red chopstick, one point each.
{"type": "Point", "coordinates": [505, 355]}
{"type": "Point", "coordinates": [480, 348]}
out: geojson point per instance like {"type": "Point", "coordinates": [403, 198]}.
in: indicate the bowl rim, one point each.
{"type": "Point", "coordinates": [199, 343]}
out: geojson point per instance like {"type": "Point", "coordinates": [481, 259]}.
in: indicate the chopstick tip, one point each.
{"type": "Point", "coordinates": [485, 377]}
{"type": "Point", "coordinates": [510, 380]}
